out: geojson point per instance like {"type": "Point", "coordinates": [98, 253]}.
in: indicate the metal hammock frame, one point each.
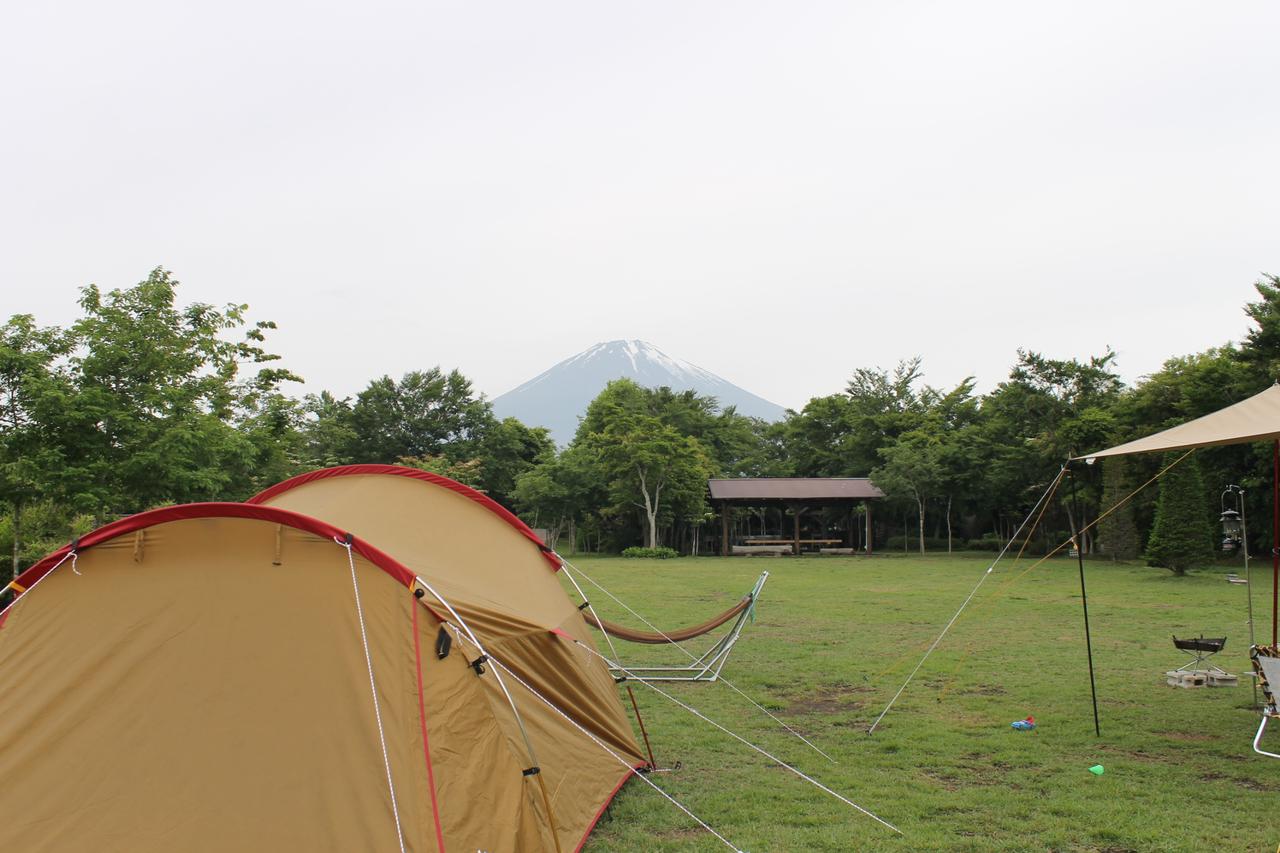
{"type": "Point", "coordinates": [704, 667]}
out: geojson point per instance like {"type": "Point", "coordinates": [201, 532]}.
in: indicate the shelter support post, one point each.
{"type": "Point", "coordinates": [1275, 538]}
{"type": "Point", "coordinates": [795, 517]}
{"type": "Point", "coordinates": [725, 550]}
{"type": "Point", "coordinates": [866, 505]}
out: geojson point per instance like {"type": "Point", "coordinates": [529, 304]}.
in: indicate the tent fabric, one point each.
{"type": "Point", "coordinates": [467, 492]}
{"type": "Point", "coordinates": [491, 572]}
{"type": "Point", "coordinates": [199, 683]}
{"type": "Point", "coordinates": [1254, 419]}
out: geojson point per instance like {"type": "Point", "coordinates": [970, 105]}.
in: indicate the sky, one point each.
{"type": "Point", "coordinates": [778, 192]}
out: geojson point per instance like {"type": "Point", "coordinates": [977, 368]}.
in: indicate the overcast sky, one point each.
{"type": "Point", "coordinates": [778, 192]}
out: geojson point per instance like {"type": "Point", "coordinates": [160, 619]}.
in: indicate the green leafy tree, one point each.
{"type": "Point", "coordinates": [426, 413]}
{"type": "Point", "coordinates": [1182, 537]}
{"type": "Point", "coordinates": [162, 391]}
{"type": "Point", "coordinates": [651, 466]}
{"type": "Point", "coordinates": [507, 449]}
{"type": "Point", "coordinates": [33, 391]}
{"type": "Point", "coordinates": [911, 468]}
{"type": "Point", "coordinates": [328, 434]}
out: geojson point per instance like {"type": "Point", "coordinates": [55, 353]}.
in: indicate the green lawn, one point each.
{"type": "Point", "coordinates": [835, 637]}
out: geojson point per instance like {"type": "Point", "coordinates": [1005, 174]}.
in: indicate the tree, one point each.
{"type": "Point", "coordinates": [911, 467]}
{"type": "Point", "coordinates": [32, 388]}
{"type": "Point", "coordinates": [507, 449]}
{"type": "Point", "coordinates": [651, 466]}
{"type": "Point", "coordinates": [162, 395]}
{"type": "Point", "coordinates": [1182, 536]}
{"type": "Point", "coordinates": [423, 414]}
{"type": "Point", "coordinates": [1261, 350]}
{"type": "Point", "coordinates": [1118, 532]}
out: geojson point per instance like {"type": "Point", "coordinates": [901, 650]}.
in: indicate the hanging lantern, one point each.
{"type": "Point", "coordinates": [1231, 531]}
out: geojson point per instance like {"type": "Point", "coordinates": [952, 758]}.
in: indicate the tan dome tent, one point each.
{"type": "Point", "coordinates": [243, 677]}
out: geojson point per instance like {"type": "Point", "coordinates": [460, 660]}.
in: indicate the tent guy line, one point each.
{"type": "Point", "coordinates": [741, 739]}
{"type": "Point", "coordinates": [373, 686]}
{"type": "Point", "coordinates": [569, 566]}
{"type": "Point", "coordinates": [635, 771]}
{"type": "Point", "coordinates": [477, 665]}
{"type": "Point", "coordinates": [21, 594]}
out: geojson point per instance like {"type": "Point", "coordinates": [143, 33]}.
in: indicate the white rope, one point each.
{"type": "Point", "coordinates": [373, 688]}
{"type": "Point", "coordinates": [968, 598]}
{"type": "Point", "coordinates": [605, 747]}
{"type": "Point", "coordinates": [19, 596]}
{"type": "Point", "coordinates": [688, 653]}
{"type": "Point", "coordinates": [743, 740]}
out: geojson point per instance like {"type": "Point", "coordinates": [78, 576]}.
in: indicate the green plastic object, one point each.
{"type": "Point", "coordinates": [1096, 770]}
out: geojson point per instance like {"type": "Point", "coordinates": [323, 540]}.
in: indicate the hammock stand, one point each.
{"type": "Point", "coordinates": [705, 667]}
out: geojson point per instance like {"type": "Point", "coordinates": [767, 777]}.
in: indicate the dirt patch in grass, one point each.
{"type": "Point", "coordinates": [983, 690]}
{"type": "Point", "coordinates": [827, 701]}
{"type": "Point", "coordinates": [1188, 736]}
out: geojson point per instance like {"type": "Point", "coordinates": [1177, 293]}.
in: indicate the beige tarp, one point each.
{"type": "Point", "coordinates": [1254, 419]}
{"type": "Point", "coordinates": [198, 682]}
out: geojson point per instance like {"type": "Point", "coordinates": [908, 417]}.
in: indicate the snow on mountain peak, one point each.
{"type": "Point", "coordinates": [557, 397]}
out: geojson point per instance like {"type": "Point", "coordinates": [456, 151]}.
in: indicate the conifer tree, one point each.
{"type": "Point", "coordinates": [1118, 534]}
{"type": "Point", "coordinates": [1182, 536]}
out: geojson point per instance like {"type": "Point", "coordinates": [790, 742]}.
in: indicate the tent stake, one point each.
{"type": "Point", "coordinates": [1084, 600]}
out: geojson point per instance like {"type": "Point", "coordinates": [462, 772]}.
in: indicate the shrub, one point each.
{"type": "Point", "coordinates": [931, 543]}
{"type": "Point", "coordinates": [659, 553]}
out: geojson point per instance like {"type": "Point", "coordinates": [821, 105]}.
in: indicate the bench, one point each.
{"type": "Point", "coordinates": [773, 550]}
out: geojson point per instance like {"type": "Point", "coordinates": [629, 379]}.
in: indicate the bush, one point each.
{"type": "Point", "coordinates": [894, 543]}
{"type": "Point", "coordinates": [659, 553]}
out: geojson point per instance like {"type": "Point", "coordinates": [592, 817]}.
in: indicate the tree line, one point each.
{"type": "Point", "coordinates": [143, 401]}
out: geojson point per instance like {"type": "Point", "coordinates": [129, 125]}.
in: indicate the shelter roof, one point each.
{"type": "Point", "coordinates": [794, 489]}
{"type": "Point", "coordinates": [1254, 419]}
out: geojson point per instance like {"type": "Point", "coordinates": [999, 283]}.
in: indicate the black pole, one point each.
{"type": "Point", "coordinates": [1078, 536]}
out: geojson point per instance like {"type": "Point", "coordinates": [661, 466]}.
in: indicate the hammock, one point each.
{"type": "Point", "coordinates": [622, 632]}
{"type": "Point", "coordinates": [704, 667]}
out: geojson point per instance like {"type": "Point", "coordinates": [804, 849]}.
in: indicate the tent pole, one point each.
{"type": "Point", "coordinates": [1275, 537]}
{"type": "Point", "coordinates": [1084, 598]}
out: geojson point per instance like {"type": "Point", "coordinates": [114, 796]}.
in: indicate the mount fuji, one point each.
{"type": "Point", "coordinates": [556, 398]}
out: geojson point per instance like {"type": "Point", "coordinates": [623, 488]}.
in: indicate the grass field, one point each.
{"type": "Point", "coordinates": [834, 638]}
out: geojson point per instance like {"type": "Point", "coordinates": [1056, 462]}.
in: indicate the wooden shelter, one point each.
{"type": "Point", "coordinates": [798, 494]}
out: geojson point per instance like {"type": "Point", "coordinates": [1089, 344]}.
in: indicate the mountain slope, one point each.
{"type": "Point", "coordinates": [556, 398]}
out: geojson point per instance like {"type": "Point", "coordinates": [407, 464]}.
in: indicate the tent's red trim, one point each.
{"type": "Point", "coordinates": [605, 805]}
{"type": "Point", "coordinates": [426, 476]}
{"type": "Point", "coordinates": [272, 514]}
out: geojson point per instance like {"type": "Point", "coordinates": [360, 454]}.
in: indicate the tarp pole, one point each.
{"type": "Point", "coordinates": [1275, 537]}
{"type": "Point", "coordinates": [1084, 599]}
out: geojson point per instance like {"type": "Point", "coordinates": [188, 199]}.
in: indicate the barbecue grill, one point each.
{"type": "Point", "coordinates": [1201, 649]}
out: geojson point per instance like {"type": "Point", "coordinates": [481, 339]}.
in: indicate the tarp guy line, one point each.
{"type": "Point", "coordinates": [569, 566]}
{"type": "Point", "coordinates": [373, 687]}
{"type": "Point", "coordinates": [1012, 579]}
{"type": "Point", "coordinates": [740, 738]}
{"type": "Point", "coordinates": [634, 771]}
{"type": "Point", "coordinates": [1044, 498]}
